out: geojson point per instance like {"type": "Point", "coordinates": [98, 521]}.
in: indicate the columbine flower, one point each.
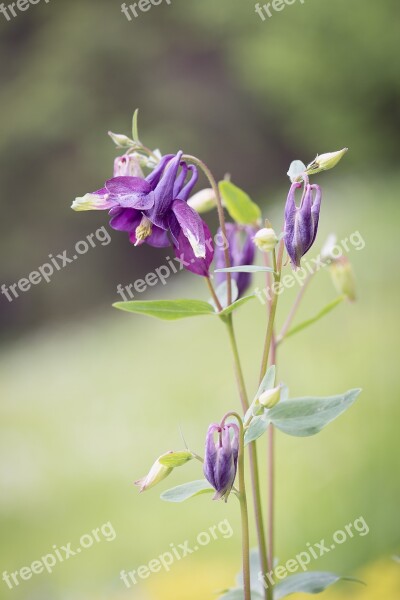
{"type": "Point", "coordinates": [148, 209]}
{"type": "Point", "coordinates": [301, 222]}
{"type": "Point", "coordinates": [221, 456]}
{"type": "Point", "coordinates": [241, 252]}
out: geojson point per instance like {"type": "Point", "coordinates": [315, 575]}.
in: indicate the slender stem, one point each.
{"type": "Point", "coordinates": [237, 364]}
{"type": "Point", "coordinates": [214, 294]}
{"type": "Point", "coordinates": [221, 216]}
{"type": "Point", "coordinates": [270, 346]}
{"type": "Point", "coordinates": [294, 309]}
{"type": "Point", "coordinates": [243, 509]}
{"type": "Point", "coordinates": [271, 320]}
{"type": "Point", "coordinates": [271, 476]}
{"type": "Point", "coordinates": [255, 480]}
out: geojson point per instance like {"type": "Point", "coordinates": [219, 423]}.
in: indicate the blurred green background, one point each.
{"type": "Point", "coordinates": [89, 397]}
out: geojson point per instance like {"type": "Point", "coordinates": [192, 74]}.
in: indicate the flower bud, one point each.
{"type": "Point", "coordinates": [270, 397]}
{"type": "Point", "coordinates": [301, 222]}
{"type": "Point", "coordinates": [203, 201]}
{"type": "Point", "coordinates": [122, 141]}
{"type": "Point", "coordinates": [324, 162]}
{"type": "Point", "coordinates": [157, 473]}
{"type": "Point", "coordinates": [343, 278]}
{"type": "Point", "coordinates": [327, 249]}
{"type": "Point", "coordinates": [221, 456]}
{"type": "Point", "coordinates": [127, 166]}
{"type": "Point", "coordinates": [265, 239]}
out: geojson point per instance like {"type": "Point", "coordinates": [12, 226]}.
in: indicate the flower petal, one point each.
{"type": "Point", "coordinates": [131, 192]}
{"type": "Point", "coordinates": [192, 227]}
{"type": "Point", "coordinates": [125, 219]}
{"type": "Point", "coordinates": [163, 194]}
{"type": "Point", "coordinates": [99, 200]}
{"type": "Point", "coordinates": [184, 251]}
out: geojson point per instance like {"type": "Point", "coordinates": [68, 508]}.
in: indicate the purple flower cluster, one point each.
{"type": "Point", "coordinates": [154, 209]}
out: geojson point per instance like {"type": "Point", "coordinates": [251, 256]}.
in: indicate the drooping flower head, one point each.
{"type": "Point", "coordinates": [221, 456]}
{"type": "Point", "coordinates": [152, 209]}
{"type": "Point", "coordinates": [301, 222]}
{"type": "Point", "coordinates": [241, 252]}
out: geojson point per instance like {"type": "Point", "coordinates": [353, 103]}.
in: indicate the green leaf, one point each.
{"type": "Point", "coordinates": [312, 582]}
{"type": "Point", "coordinates": [327, 309]}
{"type": "Point", "coordinates": [187, 490]}
{"type": "Point", "coordinates": [245, 269]}
{"type": "Point", "coordinates": [307, 416]}
{"type": "Point", "coordinates": [295, 170]}
{"type": "Point", "coordinates": [238, 204]}
{"type": "Point", "coordinates": [176, 459]}
{"type": "Point", "coordinates": [135, 131]}
{"type": "Point", "coordinates": [235, 305]}
{"type": "Point", "coordinates": [257, 427]}
{"type": "Point", "coordinates": [222, 293]}
{"type": "Point", "coordinates": [168, 310]}
{"type": "Point", "coordinates": [238, 594]}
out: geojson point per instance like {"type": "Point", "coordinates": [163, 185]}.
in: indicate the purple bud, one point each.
{"type": "Point", "coordinates": [301, 222]}
{"type": "Point", "coordinates": [241, 252]}
{"type": "Point", "coordinates": [221, 456]}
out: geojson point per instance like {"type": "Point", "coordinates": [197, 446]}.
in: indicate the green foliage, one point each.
{"type": "Point", "coordinates": [312, 582]}
{"type": "Point", "coordinates": [167, 310]}
{"type": "Point", "coordinates": [239, 204]}
{"type": "Point", "coordinates": [185, 491]}
{"type": "Point", "coordinates": [302, 417]}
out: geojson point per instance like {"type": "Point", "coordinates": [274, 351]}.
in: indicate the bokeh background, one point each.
{"type": "Point", "coordinates": [88, 396]}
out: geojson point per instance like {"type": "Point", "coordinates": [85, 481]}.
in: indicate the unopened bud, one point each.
{"type": "Point", "coordinates": [269, 398]}
{"type": "Point", "coordinates": [157, 473]}
{"type": "Point", "coordinates": [127, 165]}
{"type": "Point", "coordinates": [265, 239]}
{"type": "Point", "coordinates": [122, 141]}
{"type": "Point", "coordinates": [203, 201]}
{"type": "Point", "coordinates": [324, 162]}
{"type": "Point", "coordinates": [327, 249]}
{"type": "Point", "coordinates": [343, 278]}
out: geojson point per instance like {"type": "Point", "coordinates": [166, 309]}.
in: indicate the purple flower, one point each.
{"type": "Point", "coordinates": [221, 456]}
{"type": "Point", "coordinates": [301, 222]}
{"type": "Point", "coordinates": [152, 208]}
{"type": "Point", "coordinates": [241, 252]}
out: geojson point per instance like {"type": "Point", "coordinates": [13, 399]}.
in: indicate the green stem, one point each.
{"type": "Point", "coordinates": [295, 308]}
{"type": "Point", "coordinates": [270, 346]}
{"type": "Point", "coordinates": [255, 480]}
{"type": "Point", "coordinates": [221, 216]}
{"type": "Point", "coordinates": [271, 321]}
